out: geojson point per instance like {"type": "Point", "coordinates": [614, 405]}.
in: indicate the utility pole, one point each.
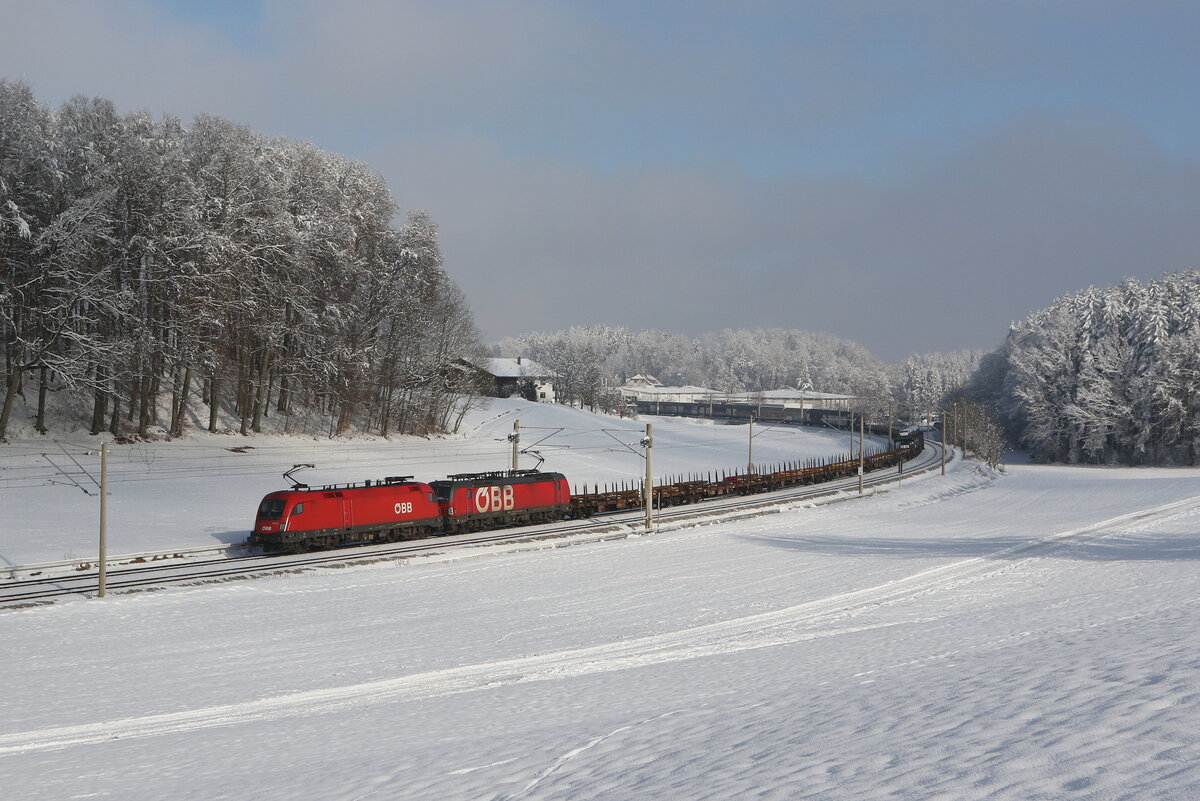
{"type": "Point", "coordinates": [750, 450]}
{"type": "Point", "coordinates": [954, 435]}
{"type": "Point", "coordinates": [960, 425]}
{"type": "Point", "coordinates": [515, 438]}
{"type": "Point", "coordinates": [861, 456]}
{"type": "Point", "coordinates": [943, 442]}
{"type": "Point", "coordinates": [103, 517]}
{"type": "Point", "coordinates": [648, 442]}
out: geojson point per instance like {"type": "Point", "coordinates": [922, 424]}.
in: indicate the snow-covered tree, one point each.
{"type": "Point", "coordinates": [141, 258]}
{"type": "Point", "coordinates": [28, 177]}
{"type": "Point", "coordinates": [1104, 375]}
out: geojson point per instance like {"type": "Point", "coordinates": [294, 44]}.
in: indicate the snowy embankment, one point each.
{"type": "Point", "coordinates": [963, 637]}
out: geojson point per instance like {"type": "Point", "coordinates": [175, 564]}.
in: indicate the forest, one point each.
{"type": "Point", "coordinates": [168, 273]}
{"type": "Point", "coordinates": [1103, 375]}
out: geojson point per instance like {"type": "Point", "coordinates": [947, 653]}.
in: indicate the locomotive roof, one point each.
{"type": "Point", "coordinates": [390, 481]}
{"type": "Point", "coordinates": [527, 475]}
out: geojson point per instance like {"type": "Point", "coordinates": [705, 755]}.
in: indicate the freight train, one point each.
{"type": "Point", "coordinates": [697, 489]}
{"type": "Point", "coordinates": [398, 508]}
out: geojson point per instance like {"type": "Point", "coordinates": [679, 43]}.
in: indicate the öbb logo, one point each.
{"type": "Point", "coordinates": [494, 499]}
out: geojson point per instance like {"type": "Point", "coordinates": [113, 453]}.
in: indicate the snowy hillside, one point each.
{"type": "Point", "coordinates": [972, 636]}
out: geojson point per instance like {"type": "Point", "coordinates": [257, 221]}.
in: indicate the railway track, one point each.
{"type": "Point", "coordinates": [142, 578]}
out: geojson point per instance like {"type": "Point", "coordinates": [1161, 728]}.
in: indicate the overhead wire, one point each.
{"type": "Point", "coordinates": [335, 456]}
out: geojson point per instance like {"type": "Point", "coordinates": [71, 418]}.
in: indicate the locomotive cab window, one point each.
{"type": "Point", "coordinates": [298, 508]}
{"type": "Point", "coordinates": [271, 509]}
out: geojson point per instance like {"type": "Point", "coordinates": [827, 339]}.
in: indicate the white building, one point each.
{"type": "Point", "coordinates": [516, 376]}
{"type": "Point", "coordinates": [788, 398]}
{"type": "Point", "coordinates": [631, 392]}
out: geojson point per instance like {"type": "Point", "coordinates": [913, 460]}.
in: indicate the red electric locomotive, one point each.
{"type": "Point", "coordinates": [325, 517]}
{"type": "Point", "coordinates": [475, 501]}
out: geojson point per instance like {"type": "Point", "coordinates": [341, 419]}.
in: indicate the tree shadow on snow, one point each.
{"type": "Point", "coordinates": [1112, 548]}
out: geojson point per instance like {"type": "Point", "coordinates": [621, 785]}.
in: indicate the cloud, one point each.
{"type": "Point", "coordinates": [129, 52]}
{"type": "Point", "coordinates": [943, 256]}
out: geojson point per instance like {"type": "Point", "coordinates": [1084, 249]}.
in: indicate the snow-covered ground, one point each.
{"type": "Point", "coordinates": [1026, 636]}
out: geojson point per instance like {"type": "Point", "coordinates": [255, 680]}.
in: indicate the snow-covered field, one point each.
{"type": "Point", "coordinates": [204, 490]}
{"type": "Point", "coordinates": [1025, 636]}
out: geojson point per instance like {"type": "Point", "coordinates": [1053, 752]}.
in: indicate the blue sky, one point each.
{"type": "Point", "coordinates": [909, 175]}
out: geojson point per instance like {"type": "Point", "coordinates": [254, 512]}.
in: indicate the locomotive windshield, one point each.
{"type": "Point", "coordinates": [271, 509]}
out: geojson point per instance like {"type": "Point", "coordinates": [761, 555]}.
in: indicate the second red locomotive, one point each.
{"type": "Point", "coordinates": [474, 501]}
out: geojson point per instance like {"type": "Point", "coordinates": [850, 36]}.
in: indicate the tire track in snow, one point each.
{"type": "Point", "coordinates": [811, 620]}
{"type": "Point", "coordinates": [558, 763]}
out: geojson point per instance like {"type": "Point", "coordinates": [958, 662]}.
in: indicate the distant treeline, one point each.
{"type": "Point", "coordinates": [145, 263]}
{"type": "Point", "coordinates": [591, 359]}
{"type": "Point", "coordinates": [1104, 375]}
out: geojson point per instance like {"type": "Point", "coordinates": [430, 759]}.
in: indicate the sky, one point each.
{"type": "Point", "coordinates": [909, 175]}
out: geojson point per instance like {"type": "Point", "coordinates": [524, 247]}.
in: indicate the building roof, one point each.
{"type": "Point", "coordinates": [513, 368]}
{"type": "Point", "coordinates": [652, 389]}
{"type": "Point", "coordinates": [787, 397]}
